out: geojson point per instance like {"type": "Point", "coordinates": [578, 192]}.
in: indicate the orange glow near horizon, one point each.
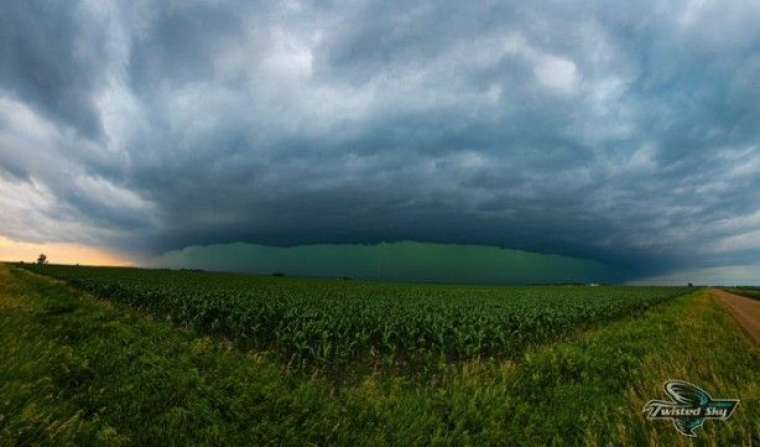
{"type": "Point", "coordinates": [58, 253]}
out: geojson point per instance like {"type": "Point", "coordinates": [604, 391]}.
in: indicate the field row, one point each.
{"type": "Point", "coordinates": [749, 292]}
{"type": "Point", "coordinates": [311, 321]}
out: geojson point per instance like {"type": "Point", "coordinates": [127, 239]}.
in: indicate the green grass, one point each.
{"type": "Point", "coordinates": [749, 292]}
{"type": "Point", "coordinates": [82, 371]}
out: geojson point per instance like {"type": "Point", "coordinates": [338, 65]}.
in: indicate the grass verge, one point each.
{"type": "Point", "coordinates": [749, 292]}
{"type": "Point", "coordinates": [81, 371]}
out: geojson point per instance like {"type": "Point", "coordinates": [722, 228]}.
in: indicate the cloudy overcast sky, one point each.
{"type": "Point", "coordinates": [626, 133]}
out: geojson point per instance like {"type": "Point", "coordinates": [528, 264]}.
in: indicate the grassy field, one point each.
{"type": "Point", "coordinates": [749, 292]}
{"type": "Point", "coordinates": [80, 370]}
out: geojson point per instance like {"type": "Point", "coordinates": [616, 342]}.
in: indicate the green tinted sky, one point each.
{"type": "Point", "coordinates": [399, 261]}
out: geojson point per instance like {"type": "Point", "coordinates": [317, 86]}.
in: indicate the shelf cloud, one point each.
{"type": "Point", "coordinates": [621, 132]}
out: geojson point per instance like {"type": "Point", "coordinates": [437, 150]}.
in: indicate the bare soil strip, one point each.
{"type": "Point", "coordinates": [746, 311]}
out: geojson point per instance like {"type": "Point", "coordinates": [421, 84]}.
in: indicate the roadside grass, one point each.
{"type": "Point", "coordinates": [80, 371]}
{"type": "Point", "coordinates": [749, 292]}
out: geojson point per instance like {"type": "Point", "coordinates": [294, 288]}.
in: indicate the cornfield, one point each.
{"type": "Point", "coordinates": [315, 321]}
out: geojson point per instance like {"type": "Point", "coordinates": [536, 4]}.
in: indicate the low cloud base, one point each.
{"type": "Point", "coordinates": [397, 261]}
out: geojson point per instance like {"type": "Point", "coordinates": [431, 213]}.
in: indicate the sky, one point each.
{"type": "Point", "coordinates": [60, 253]}
{"type": "Point", "coordinates": [618, 133]}
{"type": "Point", "coordinates": [404, 261]}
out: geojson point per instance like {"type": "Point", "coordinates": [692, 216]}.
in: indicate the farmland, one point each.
{"type": "Point", "coordinates": [148, 357]}
{"type": "Point", "coordinates": [749, 292]}
{"type": "Point", "coordinates": [324, 322]}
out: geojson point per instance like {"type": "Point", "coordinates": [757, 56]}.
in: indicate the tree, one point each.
{"type": "Point", "coordinates": [42, 259]}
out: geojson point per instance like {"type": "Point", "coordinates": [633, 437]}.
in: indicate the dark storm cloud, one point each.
{"type": "Point", "coordinates": [623, 132]}
{"type": "Point", "coordinates": [48, 50]}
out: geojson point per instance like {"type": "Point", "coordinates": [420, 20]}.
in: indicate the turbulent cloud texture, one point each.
{"type": "Point", "coordinates": [624, 132]}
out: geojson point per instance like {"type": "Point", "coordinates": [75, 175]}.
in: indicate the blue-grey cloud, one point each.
{"type": "Point", "coordinates": [46, 63]}
{"type": "Point", "coordinates": [621, 132]}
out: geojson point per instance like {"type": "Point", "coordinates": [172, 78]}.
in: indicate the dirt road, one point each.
{"type": "Point", "coordinates": [745, 310]}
